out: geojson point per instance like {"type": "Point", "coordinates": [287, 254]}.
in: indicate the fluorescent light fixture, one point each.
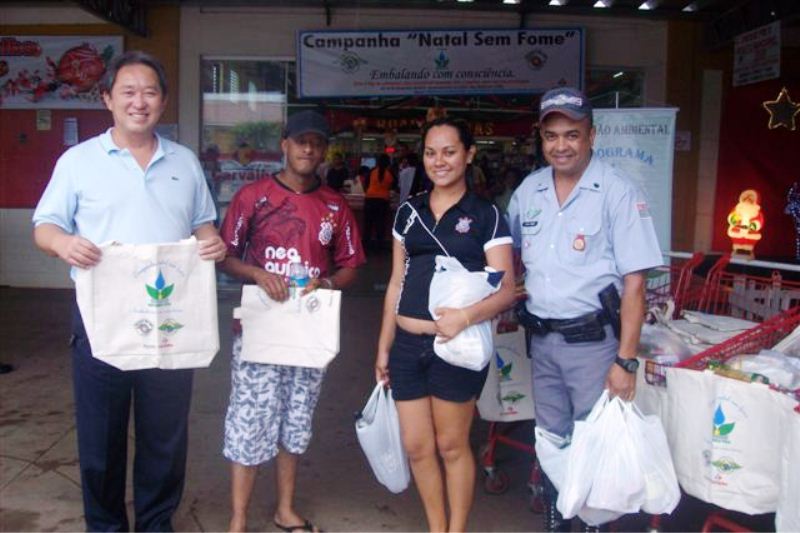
{"type": "Point", "coordinates": [556, 3]}
{"type": "Point", "coordinates": [465, 1]}
{"type": "Point", "coordinates": [690, 8]}
{"type": "Point", "coordinates": [646, 6]}
{"type": "Point", "coordinates": [511, 1]}
{"type": "Point", "coordinates": [601, 4]}
{"type": "Point", "coordinates": [618, 74]}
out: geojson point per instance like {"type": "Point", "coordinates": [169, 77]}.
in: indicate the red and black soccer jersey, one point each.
{"type": "Point", "coordinates": [469, 228]}
{"type": "Point", "coordinates": [268, 224]}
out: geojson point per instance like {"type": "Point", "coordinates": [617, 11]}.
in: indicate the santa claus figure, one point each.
{"type": "Point", "coordinates": [745, 223]}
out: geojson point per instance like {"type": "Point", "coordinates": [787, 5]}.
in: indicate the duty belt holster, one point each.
{"type": "Point", "coordinates": [585, 328]}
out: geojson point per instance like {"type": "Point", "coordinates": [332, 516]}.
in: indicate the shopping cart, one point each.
{"type": "Point", "coordinates": [745, 296]}
{"type": "Point", "coordinates": [675, 281]}
{"type": "Point", "coordinates": [771, 301]}
{"type": "Point", "coordinates": [751, 297]}
{"type": "Point", "coordinates": [496, 480]}
{"type": "Point", "coordinates": [765, 335]}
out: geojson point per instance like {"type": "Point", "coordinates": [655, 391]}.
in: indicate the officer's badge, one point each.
{"type": "Point", "coordinates": [463, 224]}
{"type": "Point", "coordinates": [579, 244]}
{"type": "Point", "coordinates": [533, 212]}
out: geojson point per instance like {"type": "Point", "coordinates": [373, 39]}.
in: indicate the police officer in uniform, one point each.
{"type": "Point", "coordinates": [585, 235]}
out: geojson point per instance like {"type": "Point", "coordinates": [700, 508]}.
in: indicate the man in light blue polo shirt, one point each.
{"type": "Point", "coordinates": [581, 225]}
{"type": "Point", "coordinates": [127, 185]}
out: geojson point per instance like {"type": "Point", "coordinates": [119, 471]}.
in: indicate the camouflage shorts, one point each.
{"type": "Point", "coordinates": [270, 406]}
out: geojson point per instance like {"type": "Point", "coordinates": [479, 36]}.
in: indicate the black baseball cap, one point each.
{"type": "Point", "coordinates": [306, 122]}
{"type": "Point", "coordinates": [565, 100]}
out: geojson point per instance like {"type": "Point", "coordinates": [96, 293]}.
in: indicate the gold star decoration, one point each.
{"type": "Point", "coordinates": [781, 111]}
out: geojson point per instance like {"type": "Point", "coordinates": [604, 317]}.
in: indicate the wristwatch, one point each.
{"type": "Point", "coordinates": [630, 365]}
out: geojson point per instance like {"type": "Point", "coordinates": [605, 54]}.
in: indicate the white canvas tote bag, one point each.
{"type": "Point", "coordinates": [787, 517]}
{"type": "Point", "coordinates": [150, 306]}
{"type": "Point", "coordinates": [726, 438]}
{"type": "Point", "coordinates": [292, 333]}
{"type": "Point", "coordinates": [507, 394]}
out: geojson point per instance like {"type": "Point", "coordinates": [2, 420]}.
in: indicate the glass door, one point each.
{"type": "Point", "coordinates": [244, 106]}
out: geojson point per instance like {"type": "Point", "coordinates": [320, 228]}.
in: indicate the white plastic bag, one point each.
{"type": "Point", "coordinates": [619, 482]}
{"type": "Point", "coordinates": [582, 461]}
{"type": "Point", "coordinates": [780, 369]}
{"type": "Point", "coordinates": [662, 492]}
{"type": "Point", "coordinates": [455, 286]}
{"type": "Point", "coordinates": [663, 345]}
{"type": "Point", "coordinates": [552, 452]}
{"type": "Point", "coordinates": [378, 432]}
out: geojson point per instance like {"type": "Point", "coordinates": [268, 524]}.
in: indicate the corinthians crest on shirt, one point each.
{"type": "Point", "coordinates": [463, 225]}
{"type": "Point", "coordinates": [326, 227]}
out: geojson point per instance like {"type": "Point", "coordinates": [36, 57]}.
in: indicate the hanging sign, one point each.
{"type": "Point", "coordinates": [399, 63]}
{"type": "Point", "coordinates": [640, 141]}
{"type": "Point", "coordinates": [757, 55]}
{"type": "Point", "coordinates": [39, 72]}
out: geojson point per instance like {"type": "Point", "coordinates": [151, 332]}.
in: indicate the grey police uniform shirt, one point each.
{"type": "Point", "coordinates": [571, 252]}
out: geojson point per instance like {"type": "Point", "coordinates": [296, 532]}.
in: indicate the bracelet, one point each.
{"type": "Point", "coordinates": [466, 317]}
{"type": "Point", "coordinates": [327, 283]}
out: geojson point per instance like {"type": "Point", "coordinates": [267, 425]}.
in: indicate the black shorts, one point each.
{"type": "Point", "coordinates": [416, 371]}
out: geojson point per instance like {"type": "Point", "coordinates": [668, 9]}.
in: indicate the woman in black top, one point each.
{"type": "Point", "coordinates": [435, 400]}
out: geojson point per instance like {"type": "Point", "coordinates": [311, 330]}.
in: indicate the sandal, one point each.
{"type": "Point", "coordinates": [305, 526]}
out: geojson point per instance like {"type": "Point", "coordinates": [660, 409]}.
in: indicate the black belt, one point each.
{"type": "Point", "coordinates": [585, 328]}
{"type": "Point", "coordinates": [559, 324]}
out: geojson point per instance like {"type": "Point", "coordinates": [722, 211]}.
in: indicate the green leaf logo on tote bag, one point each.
{"type": "Point", "coordinates": [722, 428]}
{"type": "Point", "coordinates": [161, 291]}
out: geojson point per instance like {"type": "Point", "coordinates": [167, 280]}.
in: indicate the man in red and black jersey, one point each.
{"type": "Point", "coordinates": [269, 224]}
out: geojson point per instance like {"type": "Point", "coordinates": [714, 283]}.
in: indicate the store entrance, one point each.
{"type": "Point", "coordinates": [245, 103]}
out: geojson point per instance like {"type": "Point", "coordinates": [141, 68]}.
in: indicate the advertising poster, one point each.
{"type": "Point", "coordinates": [430, 62]}
{"type": "Point", "coordinates": [40, 72]}
{"type": "Point", "coordinates": [641, 142]}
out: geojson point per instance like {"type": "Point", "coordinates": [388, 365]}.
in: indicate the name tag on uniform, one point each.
{"type": "Point", "coordinates": [579, 244]}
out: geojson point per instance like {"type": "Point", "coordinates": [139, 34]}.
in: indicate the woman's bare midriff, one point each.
{"type": "Point", "coordinates": [416, 325]}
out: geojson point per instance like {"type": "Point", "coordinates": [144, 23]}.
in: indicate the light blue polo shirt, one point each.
{"type": "Point", "coordinates": [571, 252]}
{"type": "Point", "coordinates": [100, 192]}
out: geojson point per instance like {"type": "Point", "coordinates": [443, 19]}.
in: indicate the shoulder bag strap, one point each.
{"type": "Point", "coordinates": [425, 227]}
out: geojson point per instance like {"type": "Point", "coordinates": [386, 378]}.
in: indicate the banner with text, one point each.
{"type": "Point", "coordinates": [641, 141]}
{"type": "Point", "coordinates": [400, 63]}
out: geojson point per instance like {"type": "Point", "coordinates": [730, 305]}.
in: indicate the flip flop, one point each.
{"type": "Point", "coordinates": [305, 526]}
